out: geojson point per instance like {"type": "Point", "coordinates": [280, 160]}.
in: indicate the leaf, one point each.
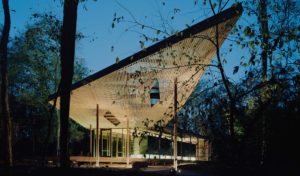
{"type": "Point", "coordinates": [214, 5]}
{"type": "Point", "coordinates": [117, 59]}
{"type": "Point", "coordinates": [235, 69]}
{"type": "Point", "coordinates": [195, 2]}
{"type": "Point", "coordinates": [252, 60]}
{"type": "Point", "coordinates": [112, 48]}
{"type": "Point", "coordinates": [85, 8]}
{"type": "Point", "coordinates": [112, 25]}
{"type": "Point", "coordinates": [281, 44]}
{"type": "Point", "coordinates": [141, 44]}
{"type": "Point", "coordinates": [157, 32]}
{"type": "Point", "coordinates": [250, 74]}
{"type": "Point", "coordinates": [176, 10]}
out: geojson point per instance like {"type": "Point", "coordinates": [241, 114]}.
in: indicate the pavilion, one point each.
{"type": "Point", "coordinates": [140, 90]}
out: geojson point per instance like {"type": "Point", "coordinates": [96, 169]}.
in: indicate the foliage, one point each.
{"type": "Point", "coordinates": [273, 100]}
{"type": "Point", "coordinates": [34, 71]}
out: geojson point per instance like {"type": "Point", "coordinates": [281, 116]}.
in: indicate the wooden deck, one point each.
{"type": "Point", "coordinates": [88, 159]}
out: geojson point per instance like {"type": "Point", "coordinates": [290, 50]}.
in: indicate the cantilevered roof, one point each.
{"type": "Point", "coordinates": [123, 89]}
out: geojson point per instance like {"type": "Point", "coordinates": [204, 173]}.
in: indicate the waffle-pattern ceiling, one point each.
{"type": "Point", "coordinates": [123, 89]}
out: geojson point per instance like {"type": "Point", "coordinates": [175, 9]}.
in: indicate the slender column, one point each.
{"type": "Point", "coordinates": [209, 151]}
{"type": "Point", "coordinates": [181, 150]}
{"type": "Point", "coordinates": [197, 149]}
{"type": "Point", "coordinates": [111, 145]}
{"type": "Point", "coordinates": [91, 143]}
{"type": "Point", "coordinates": [127, 143]}
{"type": "Point", "coordinates": [58, 134]}
{"type": "Point", "coordinates": [94, 143]}
{"type": "Point", "coordinates": [190, 147]}
{"type": "Point", "coordinates": [123, 144]}
{"type": "Point", "coordinates": [175, 127]}
{"type": "Point", "coordinates": [97, 135]}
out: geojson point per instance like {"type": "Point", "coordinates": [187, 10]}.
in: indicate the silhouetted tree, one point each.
{"type": "Point", "coordinates": [7, 127]}
{"type": "Point", "coordinates": [67, 70]}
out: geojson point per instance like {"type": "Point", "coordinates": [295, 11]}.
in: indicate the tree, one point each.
{"type": "Point", "coordinates": [7, 127]}
{"type": "Point", "coordinates": [275, 39]}
{"type": "Point", "coordinates": [34, 74]}
{"type": "Point", "coordinates": [67, 70]}
{"type": "Point", "coordinates": [263, 20]}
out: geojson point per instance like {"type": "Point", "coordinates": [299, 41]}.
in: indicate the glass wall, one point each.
{"type": "Point", "coordinates": [113, 144]}
{"type": "Point", "coordinates": [105, 143]}
{"type": "Point", "coordinates": [183, 148]}
{"type": "Point", "coordinates": [118, 142]}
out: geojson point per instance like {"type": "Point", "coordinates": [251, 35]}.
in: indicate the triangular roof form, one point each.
{"type": "Point", "coordinates": [123, 89]}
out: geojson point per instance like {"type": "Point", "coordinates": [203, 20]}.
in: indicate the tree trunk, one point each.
{"type": "Point", "coordinates": [223, 75]}
{"type": "Point", "coordinates": [67, 70]}
{"type": "Point", "coordinates": [263, 19]}
{"type": "Point", "coordinates": [7, 127]}
{"type": "Point", "coordinates": [226, 85]}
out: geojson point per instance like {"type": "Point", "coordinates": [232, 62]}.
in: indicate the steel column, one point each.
{"type": "Point", "coordinates": [175, 127]}
{"type": "Point", "coordinates": [97, 135]}
{"type": "Point", "coordinates": [127, 143]}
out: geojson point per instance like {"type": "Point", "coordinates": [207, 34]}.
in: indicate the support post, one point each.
{"type": "Point", "coordinates": [91, 144]}
{"type": "Point", "coordinates": [181, 150]}
{"type": "Point", "coordinates": [175, 127]}
{"type": "Point", "coordinates": [94, 143]}
{"type": "Point", "coordinates": [190, 148]}
{"type": "Point", "coordinates": [123, 144]}
{"type": "Point", "coordinates": [209, 151]}
{"type": "Point", "coordinates": [127, 143]}
{"type": "Point", "coordinates": [111, 146]}
{"type": "Point", "coordinates": [197, 150]}
{"type": "Point", "coordinates": [91, 141]}
{"type": "Point", "coordinates": [97, 136]}
{"type": "Point", "coordinates": [58, 134]}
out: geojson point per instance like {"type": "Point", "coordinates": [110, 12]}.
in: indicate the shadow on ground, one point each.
{"type": "Point", "coordinates": [200, 169]}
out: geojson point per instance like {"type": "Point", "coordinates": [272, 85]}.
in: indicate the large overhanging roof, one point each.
{"type": "Point", "coordinates": [122, 90]}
